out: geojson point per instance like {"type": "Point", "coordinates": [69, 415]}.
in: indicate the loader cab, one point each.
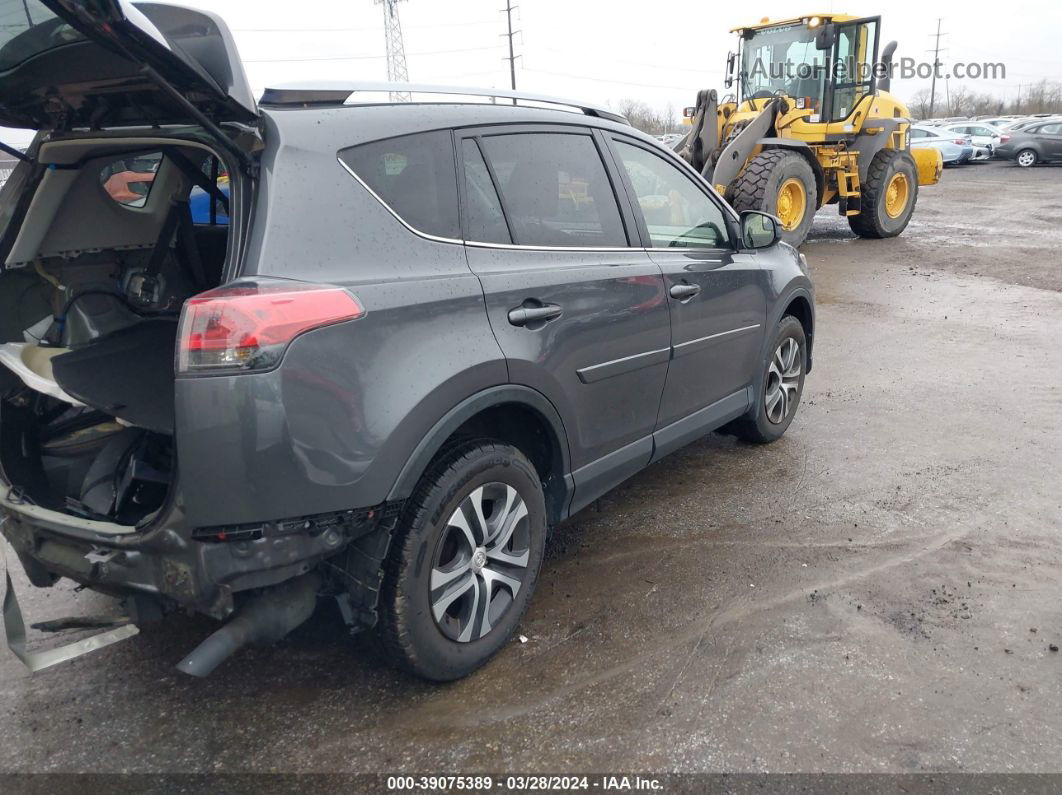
{"type": "Point", "coordinates": [822, 63]}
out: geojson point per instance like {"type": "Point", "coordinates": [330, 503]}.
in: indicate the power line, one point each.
{"type": "Point", "coordinates": [364, 57]}
{"type": "Point", "coordinates": [613, 82]}
{"type": "Point", "coordinates": [360, 29]}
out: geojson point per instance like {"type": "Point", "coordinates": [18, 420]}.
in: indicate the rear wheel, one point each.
{"type": "Point", "coordinates": [1026, 158]}
{"type": "Point", "coordinates": [888, 195]}
{"type": "Point", "coordinates": [464, 561]}
{"type": "Point", "coordinates": [781, 183]}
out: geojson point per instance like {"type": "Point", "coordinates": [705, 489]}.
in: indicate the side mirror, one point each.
{"type": "Point", "coordinates": [689, 113]}
{"type": "Point", "coordinates": [826, 36]}
{"type": "Point", "coordinates": [730, 58]}
{"type": "Point", "coordinates": [759, 230]}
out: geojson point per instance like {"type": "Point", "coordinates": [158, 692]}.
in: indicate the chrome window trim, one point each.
{"type": "Point", "coordinates": [507, 246]}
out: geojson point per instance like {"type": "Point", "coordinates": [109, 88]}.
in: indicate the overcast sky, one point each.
{"type": "Point", "coordinates": [600, 51]}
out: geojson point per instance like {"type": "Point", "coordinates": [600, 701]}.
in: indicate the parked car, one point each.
{"type": "Point", "coordinates": [981, 135]}
{"type": "Point", "coordinates": [1021, 124]}
{"type": "Point", "coordinates": [1034, 144]}
{"type": "Point", "coordinates": [428, 333]}
{"type": "Point", "coordinates": [953, 149]}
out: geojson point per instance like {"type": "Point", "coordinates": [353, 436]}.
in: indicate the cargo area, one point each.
{"type": "Point", "coordinates": [114, 237]}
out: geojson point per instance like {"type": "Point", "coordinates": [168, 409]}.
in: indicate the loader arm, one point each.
{"type": "Point", "coordinates": [701, 143]}
{"type": "Point", "coordinates": [736, 153]}
{"type": "Point", "coordinates": [721, 161]}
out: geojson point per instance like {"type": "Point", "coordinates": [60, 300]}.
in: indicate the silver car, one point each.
{"type": "Point", "coordinates": [953, 148]}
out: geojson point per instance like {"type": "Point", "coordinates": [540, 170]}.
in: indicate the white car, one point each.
{"type": "Point", "coordinates": [982, 135]}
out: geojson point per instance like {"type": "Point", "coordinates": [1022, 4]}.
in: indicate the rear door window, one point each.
{"type": "Point", "coordinates": [555, 190]}
{"type": "Point", "coordinates": [414, 176]}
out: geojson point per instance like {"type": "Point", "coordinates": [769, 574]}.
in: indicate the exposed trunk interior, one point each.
{"type": "Point", "coordinates": [117, 236]}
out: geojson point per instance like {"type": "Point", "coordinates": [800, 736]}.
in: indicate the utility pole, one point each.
{"type": "Point", "coordinates": [936, 66]}
{"type": "Point", "coordinates": [396, 49]}
{"type": "Point", "coordinates": [508, 11]}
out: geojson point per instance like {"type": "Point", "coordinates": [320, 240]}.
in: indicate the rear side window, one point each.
{"type": "Point", "coordinates": [1050, 129]}
{"type": "Point", "coordinates": [128, 181]}
{"type": "Point", "coordinates": [415, 176]}
{"type": "Point", "coordinates": [555, 190]}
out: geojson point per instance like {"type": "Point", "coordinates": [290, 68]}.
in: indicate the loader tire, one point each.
{"type": "Point", "coordinates": [779, 182]}
{"type": "Point", "coordinates": [888, 195]}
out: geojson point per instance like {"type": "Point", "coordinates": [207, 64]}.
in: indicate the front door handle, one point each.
{"type": "Point", "coordinates": [528, 315]}
{"type": "Point", "coordinates": [684, 291]}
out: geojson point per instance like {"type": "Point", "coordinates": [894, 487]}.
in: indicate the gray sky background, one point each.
{"type": "Point", "coordinates": [602, 52]}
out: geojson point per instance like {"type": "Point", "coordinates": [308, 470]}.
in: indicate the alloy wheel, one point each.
{"type": "Point", "coordinates": [480, 563]}
{"type": "Point", "coordinates": [783, 381]}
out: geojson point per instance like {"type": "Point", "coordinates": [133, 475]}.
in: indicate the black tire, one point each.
{"type": "Point", "coordinates": [873, 221]}
{"type": "Point", "coordinates": [410, 634]}
{"type": "Point", "coordinates": [1029, 156]}
{"type": "Point", "coordinates": [756, 426]}
{"type": "Point", "coordinates": [757, 187]}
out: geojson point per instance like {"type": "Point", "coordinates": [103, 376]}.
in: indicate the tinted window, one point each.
{"type": "Point", "coordinates": [556, 190]}
{"type": "Point", "coordinates": [484, 218]}
{"type": "Point", "coordinates": [678, 213]}
{"type": "Point", "coordinates": [415, 176]}
{"type": "Point", "coordinates": [128, 180]}
{"type": "Point", "coordinates": [28, 28]}
{"type": "Point", "coordinates": [919, 134]}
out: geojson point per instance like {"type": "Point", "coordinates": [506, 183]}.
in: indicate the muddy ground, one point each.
{"type": "Point", "coordinates": [879, 591]}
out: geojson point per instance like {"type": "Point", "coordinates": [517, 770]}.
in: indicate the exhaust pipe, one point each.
{"type": "Point", "coordinates": [264, 620]}
{"type": "Point", "coordinates": [885, 82]}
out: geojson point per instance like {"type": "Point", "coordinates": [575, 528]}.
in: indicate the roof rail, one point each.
{"type": "Point", "coordinates": [332, 93]}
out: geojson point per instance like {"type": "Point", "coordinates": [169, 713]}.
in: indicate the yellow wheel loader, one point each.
{"type": "Point", "coordinates": [812, 123]}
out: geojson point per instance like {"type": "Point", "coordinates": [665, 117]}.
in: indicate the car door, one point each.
{"type": "Point", "coordinates": [718, 296]}
{"type": "Point", "coordinates": [1050, 136]}
{"type": "Point", "coordinates": [580, 314]}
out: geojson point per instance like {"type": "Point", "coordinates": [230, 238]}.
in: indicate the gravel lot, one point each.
{"type": "Point", "coordinates": [879, 591]}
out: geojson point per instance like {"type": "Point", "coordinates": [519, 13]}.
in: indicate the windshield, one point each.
{"type": "Point", "coordinates": [784, 60]}
{"type": "Point", "coordinates": [28, 28]}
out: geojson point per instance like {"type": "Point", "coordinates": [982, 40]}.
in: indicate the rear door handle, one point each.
{"type": "Point", "coordinates": [684, 291]}
{"type": "Point", "coordinates": [525, 315]}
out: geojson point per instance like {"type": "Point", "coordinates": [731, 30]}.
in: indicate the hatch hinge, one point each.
{"type": "Point", "coordinates": [247, 163]}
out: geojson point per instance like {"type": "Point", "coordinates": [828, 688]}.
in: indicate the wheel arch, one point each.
{"type": "Point", "coordinates": [512, 414]}
{"type": "Point", "coordinates": [799, 305]}
{"type": "Point", "coordinates": [805, 151]}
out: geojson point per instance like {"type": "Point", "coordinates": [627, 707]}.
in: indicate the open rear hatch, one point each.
{"type": "Point", "coordinates": [93, 274]}
{"type": "Point", "coordinates": [95, 64]}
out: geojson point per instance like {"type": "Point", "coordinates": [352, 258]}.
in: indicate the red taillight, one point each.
{"type": "Point", "coordinates": [960, 141]}
{"type": "Point", "coordinates": [1004, 138]}
{"type": "Point", "coordinates": [248, 326]}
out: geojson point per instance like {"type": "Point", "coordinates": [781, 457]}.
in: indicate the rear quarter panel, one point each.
{"type": "Point", "coordinates": [332, 426]}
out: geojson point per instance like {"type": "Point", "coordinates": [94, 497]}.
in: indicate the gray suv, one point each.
{"type": "Point", "coordinates": [392, 347]}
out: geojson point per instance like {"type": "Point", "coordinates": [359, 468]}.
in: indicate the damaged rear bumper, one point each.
{"type": "Point", "coordinates": [171, 565]}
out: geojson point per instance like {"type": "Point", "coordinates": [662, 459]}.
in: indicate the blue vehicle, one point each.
{"type": "Point", "coordinates": [199, 201]}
